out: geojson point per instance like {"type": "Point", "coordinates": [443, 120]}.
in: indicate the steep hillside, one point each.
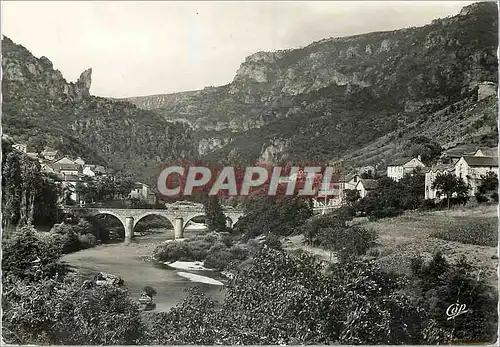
{"type": "Point", "coordinates": [40, 107]}
{"type": "Point", "coordinates": [462, 123]}
{"type": "Point", "coordinates": [339, 94]}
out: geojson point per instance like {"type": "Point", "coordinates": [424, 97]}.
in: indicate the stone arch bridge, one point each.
{"type": "Point", "coordinates": [129, 217]}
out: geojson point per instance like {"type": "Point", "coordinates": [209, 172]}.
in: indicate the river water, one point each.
{"type": "Point", "coordinates": [127, 261]}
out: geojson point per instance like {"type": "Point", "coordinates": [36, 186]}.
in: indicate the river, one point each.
{"type": "Point", "coordinates": [127, 261]}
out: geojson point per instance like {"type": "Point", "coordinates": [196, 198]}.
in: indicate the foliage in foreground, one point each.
{"type": "Point", "coordinates": [290, 299]}
{"type": "Point", "coordinates": [439, 284]}
{"type": "Point", "coordinates": [282, 298]}
{"type": "Point", "coordinates": [44, 304]}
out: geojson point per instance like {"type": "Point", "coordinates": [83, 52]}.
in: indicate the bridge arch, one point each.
{"type": "Point", "coordinates": [110, 213]}
{"type": "Point", "coordinates": [191, 217]}
{"type": "Point", "coordinates": [152, 213]}
{"type": "Point", "coordinates": [117, 216]}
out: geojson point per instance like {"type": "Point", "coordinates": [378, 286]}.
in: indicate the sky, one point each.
{"type": "Point", "coordinates": [152, 47]}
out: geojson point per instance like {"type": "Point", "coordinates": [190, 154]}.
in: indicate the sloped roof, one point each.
{"type": "Point", "coordinates": [59, 166]}
{"type": "Point", "coordinates": [64, 160]}
{"type": "Point", "coordinates": [489, 152]}
{"type": "Point", "coordinates": [369, 184]}
{"type": "Point", "coordinates": [100, 168]}
{"type": "Point", "coordinates": [460, 151]}
{"type": "Point", "coordinates": [481, 161]}
{"type": "Point", "coordinates": [442, 167]}
{"type": "Point", "coordinates": [399, 162]}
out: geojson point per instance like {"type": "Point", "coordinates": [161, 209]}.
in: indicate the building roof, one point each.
{"type": "Point", "coordinates": [480, 161]}
{"type": "Point", "coordinates": [488, 152]}
{"type": "Point", "coordinates": [100, 169]}
{"type": "Point", "coordinates": [72, 167]}
{"type": "Point", "coordinates": [64, 160]}
{"type": "Point", "coordinates": [460, 151]}
{"type": "Point", "coordinates": [442, 167]}
{"type": "Point", "coordinates": [400, 162]}
{"type": "Point", "coordinates": [369, 184]}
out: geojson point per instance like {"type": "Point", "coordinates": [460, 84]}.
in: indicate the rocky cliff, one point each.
{"type": "Point", "coordinates": [40, 107]}
{"type": "Point", "coordinates": [341, 93]}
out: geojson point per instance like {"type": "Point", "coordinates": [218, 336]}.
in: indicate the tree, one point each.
{"type": "Point", "coordinates": [71, 312]}
{"type": "Point", "coordinates": [215, 217]}
{"type": "Point", "coordinates": [450, 283]}
{"type": "Point", "coordinates": [448, 184]}
{"type": "Point", "coordinates": [428, 149]}
{"type": "Point", "coordinates": [351, 196]}
{"type": "Point", "coordinates": [489, 185]}
{"type": "Point", "coordinates": [279, 215]}
{"type": "Point", "coordinates": [412, 187]}
{"type": "Point", "coordinates": [283, 298]}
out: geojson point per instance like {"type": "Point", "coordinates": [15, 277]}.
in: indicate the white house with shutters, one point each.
{"type": "Point", "coordinates": [469, 167]}
{"type": "Point", "coordinates": [398, 168]}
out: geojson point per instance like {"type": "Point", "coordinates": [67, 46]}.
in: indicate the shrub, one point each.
{"type": "Point", "coordinates": [172, 251]}
{"type": "Point", "coordinates": [87, 241]}
{"type": "Point", "coordinates": [70, 242]}
{"type": "Point", "coordinates": [218, 258]}
{"type": "Point", "coordinates": [273, 241]}
{"type": "Point", "coordinates": [447, 283]}
{"type": "Point", "coordinates": [198, 248]}
{"type": "Point", "coordinates": [349, 240]}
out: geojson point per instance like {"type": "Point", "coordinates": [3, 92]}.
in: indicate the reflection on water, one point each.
{"type": "Point", "coordinates": [127, 262]}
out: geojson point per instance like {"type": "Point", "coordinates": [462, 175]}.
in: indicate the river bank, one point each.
{"type": "Point", "coordinates": [129, 262]}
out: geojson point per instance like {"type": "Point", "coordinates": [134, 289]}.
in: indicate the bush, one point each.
{"type": "Point", "coordinates": [87, 241]}
{"type": "Point", "coordinates": [70, 242]}
{"type": "Point", "coordinates": [347, 240]}
{"type": "Point", "coordinates": [273, 241]}
{"type": "Point", "coordinates": [447, 283]}
{"type": "Point", "coordinates": [429, 204]}
{"type": "Point", "coordinates": [218, 258]}
{"type": "Point", "coordinates": [172, 251]}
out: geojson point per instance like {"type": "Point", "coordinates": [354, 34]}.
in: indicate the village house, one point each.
{"type": "Point", "coordinates": [469, 167]}
{"type": "Point", "coordinates": [88, 170]}
{"type": "Point", "coordinates": [49, 154]}
{"type": "Point", "coordinates": [398, 168]}
{"type": "Point", "coordinates": [21, 147]}
{"type": "Point", "coordinates": [100, 170]}
{"type": "Point", "coordinates": [430, 177]}
{"type": "Point", "coordinates": [364, 186]}
{"type": "Point", "coordinates": [66, 167]}
{"type": "Point", "coordinates": [80, 161]}
{"type": "Point", "coordinates": [143, 192]}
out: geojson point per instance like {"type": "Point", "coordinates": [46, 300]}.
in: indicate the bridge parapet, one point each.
{"type": "Point", "coordinates": [129, 217]}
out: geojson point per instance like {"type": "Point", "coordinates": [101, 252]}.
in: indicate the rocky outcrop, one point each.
{"type": "Point", "coordinates": [363, 84]}
{"type": "Point", "coordinates": [39, 105]}
{"type": "Point", "coordinates": [83, 84]}
{"type": "Point", "coordinates": [485, 90]}
{"type": "Point", "coordinates": [273, 152]}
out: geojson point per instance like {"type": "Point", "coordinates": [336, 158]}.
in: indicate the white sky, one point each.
{"type": "Point", "coordinates": [142, 48]}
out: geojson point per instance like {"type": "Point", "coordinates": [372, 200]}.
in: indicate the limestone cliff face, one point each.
{"type": "Point", "coordinates": [25, 69]}
{"type": "Point", "coordinates": [40, 106]}
{"type": "Point", "coordinates": [363, 84]}
{"type": "Point", "coordinates": [84, 81]}
{"type": "Point", "coordinates": [274, 151]}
